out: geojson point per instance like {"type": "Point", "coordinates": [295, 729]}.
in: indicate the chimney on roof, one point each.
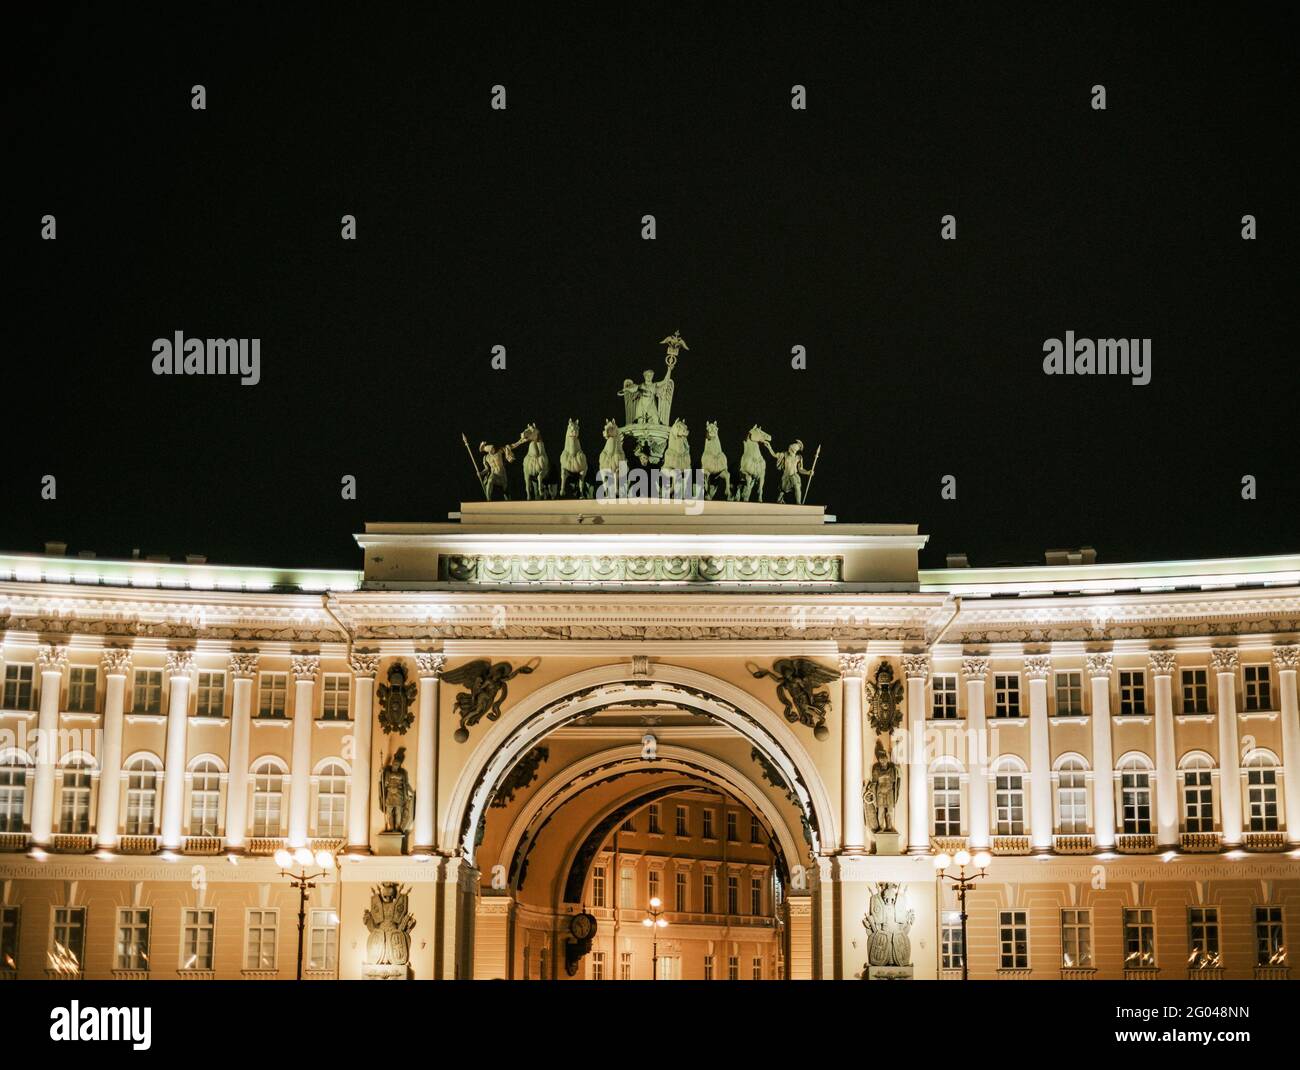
{"type": "Point", "coordinates": [135, 553]}
{"type": "Point", "coordinates": [196, 559]}
{"type": "Point", "coordinates": [958, 561]}
{"type": "Point", "coordinates": [56, 549]}
{"type": "Point", "coordinates": [86, 553]}
{"type": "Point", "coordinates": [1085, 555]}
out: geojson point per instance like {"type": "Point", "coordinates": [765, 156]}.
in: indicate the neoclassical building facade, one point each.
{"type": "Point", "coordinates": [620, 740]}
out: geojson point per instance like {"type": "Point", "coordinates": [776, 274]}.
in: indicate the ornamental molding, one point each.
{"type": "Point", "coordinates": [1100, 666]}
{"type": "Point", "coordinates": [52, 658]}
{"type": "Point", "coordinates": [180, 662]}
{"type": "Point", "coordinates": [1038, 666]}
{"type": "Point", "coordinates": [243, 665]}
{"type": "Point", "coordinates": [975, 668]}
{"type": "Point", "coordinates": [115, 661]}
{"type": "Point", "coordinates": [1224, 659]}
{"type": "Point", "coordinates": [640, 568]}
{"type": "Point", "coordinates": [853, 665]}
{"type": "Point", "coordinates": [916, 666]}
{"type": "Point", "coordinates": [305, 667]}
{"type": "Point", "coordinates": [430, 665]}
{"type": "Point", "coordinates": [364, 663]}
{"type": "Point", "coordinates": [1286, 657]}
{"type": "Point", "coordinates": [1162, 662]}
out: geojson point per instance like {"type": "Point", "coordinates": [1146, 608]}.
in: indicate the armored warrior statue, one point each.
{"type": "Point", "coordinates": [790, 464]}
{"type": "Point", "coordinates": [396, 796]}
{"type": "Point", "coordinates": [492, 474]}
{"type": "Point", "coordinates": [880, 794]}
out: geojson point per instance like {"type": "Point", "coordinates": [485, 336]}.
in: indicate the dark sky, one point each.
{"type": "Point", "coordinates": [775, 228]}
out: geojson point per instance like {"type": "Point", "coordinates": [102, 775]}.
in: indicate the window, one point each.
{"type": "Point", "coordinates": [1013, 932]}
{"type": "Point", "coordinates": [197, 928]}
{"type": "Point", "coordinates": [211, 694]}
{"type": "Point", "coordinates": [205, 798]}
{"type": "Point", "coordinates": [950, 943]}
{"type": "Point", "coordinates": [81, 689]}
{"type": "Point", "coordinates": [268, 796]}
{"type": "Point", "coordinates": [1261, 792]}
{"type": "Point", "coordinates": [334, 696]}
{"type": "Point", "coordinates": [680, 892]}
{"type": "Point", "coordinates": [259, 947]}
{"type": "Point", "coordinates": [322, 947]}
{"type": "Point", "coordinates": [755, 830]}
{"type": "Point", "coordinates": [733, 967]}
{"type": "Point", "coordinates": [708, 967]}
{"type": "Point", "coordinates": [757, 973]}
{"type": "Point", "coordinates": [1069, 694]}
{"type": "Point", "coordinates": [707, 830]}
{"type": "Point", "coordinates": [653, 825]}
{"type": "Point", "coordinates": [598, 965]}
{"type": "Point", "coordinates": [1196, 691]}
{"type": "Point", "coordinates": [709, 882]}
{"type": "Point", "coordinates": [1132, 692]}
{"type": "Point", "coordinates": [1198, 795]}
{"type": "Point", "coordinates": [141, 797]}
{"type": "Point", "coordinates": [74, 799]}
{"type": "Point", "coordinates": [1009, 803]}
{"type": "Point", "coordinates": [8, 938]}
{"type": "Point", "coordinates": [67, 939]}
{"type": "Point", "coordinates": [18, 688]}
{"type": "Point", "coordinates": [733, 831]}
{"type": "Point", "coordinates": [627, 826]}
{"type": "Point", "coordinates": [1072, 797]}
{"type": "Point", "coordinates": [1139, 939]}
{"type": "Point", "coordinates": [331, 801]}
{"type": "Point", "coordinates": [13, 791]}
{"type": "Point", "coordinates": [132, 940]}
{"type": "Point", "coordinates": [147, 697]}
{"type": "Point", "coordinates": [944, 700]}
{"type": "Point", "coordinates": [1203, 938]}
{"type": "Point", "coordinates": [652, 885]}
{"type": "Point", "coordinates": [271, 696]}
{"type": "Point", "coordinates": [627, 887]}
{"type": "Point", "coordinates": [1135, 797]}
{"type": "Point", "coordinates": [755, 896]}
{"type": "Point", "coordinates": [1259, 694]}
{"type": "Point", "coordinates": [598, 886]}
{"type": "Point", "coordinates": [946, 799]}
{"type": "Point", "coordinates": [1270, 946]}
{"type": "Point", "coordinates": [625, 965]}
{"type": "Point", "coordinates": [733, 895]}
{"type": "Point", "coordinates": [1006, 695]}
{"type": "Point", "coordinates": [1076, 938]}
{"type": "Point", "coordinates": [681, 828]}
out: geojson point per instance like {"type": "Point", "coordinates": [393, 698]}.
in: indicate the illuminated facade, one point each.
{"type": "Point", "coordinates": [1122, 739]}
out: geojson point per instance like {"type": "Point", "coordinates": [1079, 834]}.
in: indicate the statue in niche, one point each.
{"type": "Point", "coordinates": [880, 795]}
{"type": "Point", "coordinates": [396, 796]}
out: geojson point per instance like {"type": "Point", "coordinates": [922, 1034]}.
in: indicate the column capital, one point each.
{"type": "Point", "coordinates": [304, 667]}
{"type": "Point", "coordinates": [1162, 662]}
{"type": "Point", "coordinates": [243, 664]}
{"type": "Point", "coordinates": [1224, 659]}
{"type": "Point", "coordinates": [853, 664]}
{"type": "Point", "coordinates": [51, 658]}
{"type": "Point", "coordinates": [1286, 657]}
{"type": "Point", "coordinates": [115, 661]}
{"type": "Point", "coordinates": [364, 663]}
{"type": "Point", "coordinates": [180, 662]}
{"type": "Point", "coordinates": [430, 664]}
{"type": "Point", "coordinates": [916, 666]}
{"type": "Point", "coordinates": [1038, 666]}
{"type": "Point", "coordinates": [1100, 666]}
{"type": "Point", "coordinates": [975, 668]}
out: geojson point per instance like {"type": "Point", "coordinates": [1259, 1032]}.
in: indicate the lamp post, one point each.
{"type": "Point", "coordinates": [963, 884]}
{"type": "Point", "coordinates": [654, 920]}
{"type": "Point", "coordinates": [304, 881]}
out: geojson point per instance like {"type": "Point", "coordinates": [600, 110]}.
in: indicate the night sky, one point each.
{"type": "Point", "coordinates": [776, 228]}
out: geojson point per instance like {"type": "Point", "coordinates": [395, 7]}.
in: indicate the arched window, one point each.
{"type": "Point", "coordinates": [1261, 791]}
{"type": "Point", "coordinates": [142, 797]}
{"type": "Point", "coordinates": [1198, 793]}
{"type": "Point", "coordinates": [1009, 799]}
{"type": "Point", "coordinates": [14, 767]}
{"type": "Point", "coordinates": [945, 798]}
{"type": "Point", "coordinates": [1072, 796]}
{"type": "Point", "coordinates": [331, 801]}
{"type": "Point", "coordinates": [74, 797]}
{"type": "Point", "coordinates": [1135, 795]}
{"type": "Point", "coordinates": [268, 797]}
{"type": "Point", "coordinates": [205, 798]}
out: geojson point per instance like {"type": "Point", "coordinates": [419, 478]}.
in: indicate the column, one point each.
{"type": "Point", "coordinates": [1287, 659]}
{"type": "Point", "coordinates": [1100, 667]}
{"type": "Point", "coordinates": [116, 663]}
{"type": "Point", "coordinates": [1037, 669]}
{"type": "Point", "coordinates": [180, 663]}
{"type": "Point", "coordinates": [1224, 663]}
{"type": "Point", "coordinates": [853, 837]}
{"type": "Point", "coordinates": [304, 668]}
{"type": "Point", "coordinates": [1162, 664]}
{"type": "Point", "coordinates": [977, 766]}
{"type": "Point", "coordinates": [243, 667]}
{"type": "Point", "coordinates": [916, 667]}
{"type": "Point", "coordinates": [424, 837]}
{"type": "Point", "coordinates": [364, 667]}
{"type": "Point", "coordinates": [50, 662]}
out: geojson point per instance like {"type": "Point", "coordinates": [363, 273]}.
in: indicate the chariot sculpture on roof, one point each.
{"type": "Point", "coordinates": [648, 406]}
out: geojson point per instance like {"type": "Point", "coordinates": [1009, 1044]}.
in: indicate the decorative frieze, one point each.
{"type": "Point", "coordinates": [591, 568]}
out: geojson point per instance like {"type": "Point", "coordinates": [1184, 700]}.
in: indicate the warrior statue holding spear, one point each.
{"type": "Point", "coordinates": [790, 464]}
{"type": "Point", "coordinates": [492, 475]}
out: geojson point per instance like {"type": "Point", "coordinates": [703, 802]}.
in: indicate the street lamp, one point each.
{"type": "Point", "coordinates": [303, 880]}
{"type": "Point", "coordinates": [654, 920]}
{"type": "Point", "coordinates": [963, 884]}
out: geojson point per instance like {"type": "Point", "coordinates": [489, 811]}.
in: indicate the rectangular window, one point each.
{"type": "Point", "coordinates": [598, 886]}
{"type": "Point", "coordinates": [259, 949]}
{"type": "Point", "coordinates": [652, 885]}
{"type": "Point", "coordinates": [598, 965]}
{"type": "Point", "coordinates": [272, 694]}
{"type": "Point", "coordinates": [1013, 931]}
{"type": "Point", "coordinates": [680, 890]}
{"type": "Point", "coordinates": [708, 967]}
{"type": "Point", "coordinates": [322, 945]}
{"type": "Point", "coordinates": [1135, 794]}
{"type": "Point", "coordinates": [1259, 691]}
{"type": "Point", "coordinates": [334, 696]}
{"type": "Point", "coordinates": [625, 965]}
{"type": "Point", "coordinates": [1198, 800]}
{"type": "Point", "coordinates": [1261, 795]}
{"type": "Point", "coordinates": [709, 881]}
{"type": "Point", "coordinates": [210, 696]}
{"type": "Point", "coordinates": [1072, 798]}
{"type": "Point", "coordinates": [81, 689]}
{"type": "Point", "coordinates": [1009, 804]}
{"type": "Point", "coordinates": [1196, 691]}
{"type": "Point", "coordinates": [627, 826]}
{"type": "Point", "coordinates": [947, 804]}
{"type": "Point", "coordinates": [951, 951]}
{"type": "Point", "coordinates": [1132, 692]}
{"type": "Point", "coordinates": [147, 695]}
{"type": "Point", "coordinates": [197, 930]}
{"type": "Point", "coordinates": [733, 967]}
{"type": "Point", "coordinates": [627, 888]}
{"type": "Point", "coordinates": [1006, 695]}
{"type": "Point", "coordinates": [681, 822]}
{"type": "Point", "coordinates": [733, 833]}
{"type": "Point", "coordinates": [13, 794]}
{"type": "Point", "coordinates": [755, 896]}
{"type": "Point", "coordinates": [1076, 938]}
{"type": "Point", "coordinates": [1203, 938]}
{"type": "Point", "coordinates": [8, 938]}
{"type": "Point", "coordinates": [653, 826]}
{"type": "Point", "coordinates": [1270, 945]}
{"type": "Point", "coordinates": [18, 688]}
{"type": "Point", "coordinates": [1139, 939]}
{"type": "Point", "coordinates": [707, 832]}
{"type": "Point", "coordinates": [132, 940]}
{"type": "Point", "coordinates": [755, 830]}
{"type": "Point", "coordinates": [67, 940]}
{"type": "Point", "coordinates": [944, 697]}
{"type": "Point", "coordinates": [757, 964]}
{"type": "Point", "coordinates": [74, 800]}
{"type": "Point", "coordinates": [733, 895]}
{"type": "Point", "coordinates": [1069, 694]}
